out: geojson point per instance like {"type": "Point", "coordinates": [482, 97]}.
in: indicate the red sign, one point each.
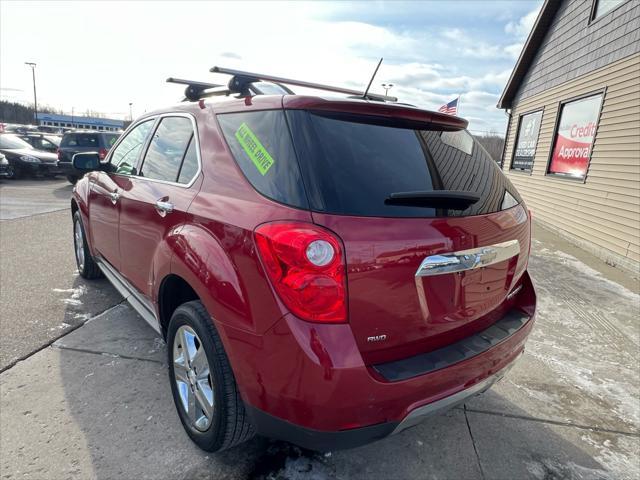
{"type": "Point", "coordinates": [576, 132]}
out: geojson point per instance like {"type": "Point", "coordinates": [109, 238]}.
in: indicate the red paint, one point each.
{"type": "Point", "coordinates": [313, 374]}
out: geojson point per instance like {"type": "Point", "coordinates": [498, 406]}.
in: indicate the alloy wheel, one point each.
{"type": "Point", "coordinates": [193, 378]}
{"type": "Point", "coordinates": [78, 240]}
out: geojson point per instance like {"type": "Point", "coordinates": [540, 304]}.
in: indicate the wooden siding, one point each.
{"type": "Point", "coordinates": [603, 212]}
{"type": "Point", "coordinates": [575, 46]}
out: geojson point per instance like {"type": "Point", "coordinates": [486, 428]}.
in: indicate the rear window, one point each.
{"type": "Point", "coordinates": [109, 139]}
{"type": "Point", "coordinates": [80, 140]}
{"type": "Point", "coordinates": [352, 168]}
{"type": "Point", "coordinates": [54, 140]}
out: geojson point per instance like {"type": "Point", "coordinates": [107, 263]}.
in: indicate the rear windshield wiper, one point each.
{"type": "Point", "coordinates": [449, 199]}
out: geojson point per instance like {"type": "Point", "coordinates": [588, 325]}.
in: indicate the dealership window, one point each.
{"type": "Point", "coordinates": [602, 7]}
{"type": "Point", "coordinates": [526, 141]}
{"type": "Point", "coordinates": [574, 135]}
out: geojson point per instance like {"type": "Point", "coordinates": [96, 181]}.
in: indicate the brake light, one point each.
{"type": "Point", "coordinates": [102, 153]}
{"type": "Point", "coordinates": [305, 264]}
{"type": "Point", "coordinates": [59, 154]}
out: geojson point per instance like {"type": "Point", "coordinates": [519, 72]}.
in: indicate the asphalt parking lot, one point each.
{"type": "Point", "coordinates": [84, 391]}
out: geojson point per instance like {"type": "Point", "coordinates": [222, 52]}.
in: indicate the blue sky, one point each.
{"type": "Point", "coordinates": [104, 55]}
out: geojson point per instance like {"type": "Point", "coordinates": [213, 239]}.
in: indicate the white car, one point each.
{"type": "Point", "coordinates": [4, 166]}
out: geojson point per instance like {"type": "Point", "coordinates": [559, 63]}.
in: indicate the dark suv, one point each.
{"type": "Point", "coordinates": [76, 142]}
{"type": "Point", "coordinates": [324, 271]}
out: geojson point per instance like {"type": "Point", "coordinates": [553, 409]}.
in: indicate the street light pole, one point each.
{"type": "Point", "coordinates": [130, 112]}
{"type": "Point", "coordinates": [35, 97]}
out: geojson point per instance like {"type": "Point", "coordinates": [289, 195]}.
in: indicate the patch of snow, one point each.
{"type": "Point", "coordinates": [612, 455]}
{"type": "Point", "coordinates": [303, 468]}
{"type": "Point", "coordinates": [579, 340]}
{"type": "Point", "coordinates": [71, 301]}
{"type": "Point", "coordinates": [585, 269]}
{"type": "Point", "coordinates": [62, 326]}
{"type": "Point", "coordinates": [549, 468]}
{"type": "Point", "coordinates": [158, 344]}
{"type": "Point", "coordinates": [74, 298]}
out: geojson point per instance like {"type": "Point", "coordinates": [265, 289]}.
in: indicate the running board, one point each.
{"type": "Point", "coordinates": [141, 305]}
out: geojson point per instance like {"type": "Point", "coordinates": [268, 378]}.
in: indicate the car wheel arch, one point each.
{"type": "Point", "coordinates": [173, 292]}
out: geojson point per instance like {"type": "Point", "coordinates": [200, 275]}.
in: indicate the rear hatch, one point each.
{"type": "Point", "coordinates": [400, 186]}
{"type": "Point", "coordinates": [73, 143]}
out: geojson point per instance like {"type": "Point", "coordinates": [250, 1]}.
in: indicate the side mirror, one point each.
{"type": "Point", "coordinates": [87, 161]}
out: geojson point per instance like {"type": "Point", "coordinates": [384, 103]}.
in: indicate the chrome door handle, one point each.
{"type": "Point", "coordinates": [164, 207]}
{"type": "Point", "coordinates": [114, 197]}
{"type": "Point", "coordinates": [468, 259]}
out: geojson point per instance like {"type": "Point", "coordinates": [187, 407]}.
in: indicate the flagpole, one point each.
{"type": "Point", "coordinates": [460, 105]}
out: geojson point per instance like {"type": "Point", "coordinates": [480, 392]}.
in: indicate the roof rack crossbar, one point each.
{"type": "Point", "coordinates": [299, 83]}
{"type": "Point", "coordinates": [196, 90]}
{"type": "Point", "coordinates": [195, 83]}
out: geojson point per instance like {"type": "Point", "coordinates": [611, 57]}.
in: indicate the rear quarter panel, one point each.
{"type": "Point", "coordinates": [214, 251]}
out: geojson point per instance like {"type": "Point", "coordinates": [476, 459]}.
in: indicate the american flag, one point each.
{"type": "Point", "coordinates": [451, 108]}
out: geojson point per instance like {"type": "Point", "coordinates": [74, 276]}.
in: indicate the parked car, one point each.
{"type": "Point", "coordinates": [4, 167]}
{"type": "Point", "coordinates": [39, 141]}
{"type": "Point", "coordinates": [75, 142]}
{"type": "Point", "coordinates": [324, 271]}
{"type": "Point", "coordinates": [24, 159]}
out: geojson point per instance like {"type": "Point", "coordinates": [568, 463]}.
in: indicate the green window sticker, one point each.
{"type": "Point", "coordinates": [254, 149]}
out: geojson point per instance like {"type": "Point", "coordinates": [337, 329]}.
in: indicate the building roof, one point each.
{"type": "Point", "coordinates": [54, 117]}
{"type": "Point", "coordinates": [531, 46]}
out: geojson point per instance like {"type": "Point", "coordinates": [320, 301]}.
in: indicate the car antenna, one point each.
{"type": "Point", "coordinates": [364, 95]}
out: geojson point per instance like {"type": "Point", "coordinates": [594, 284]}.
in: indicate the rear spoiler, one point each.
{"type": "Point", "coordinates": [387, 114]}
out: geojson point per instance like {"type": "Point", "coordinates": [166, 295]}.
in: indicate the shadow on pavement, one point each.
{"type": "Point", "coordinates": [63, 191]}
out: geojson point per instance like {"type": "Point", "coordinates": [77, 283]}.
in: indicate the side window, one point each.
{"type": "Point", "coordinates": [190, 163]}
{"type": "Point", "coordinates": [526, 141]}
{"type": "Point", "coordinates": [167, 149]}
{"type": "Point", "coordinates": [602, 7]}
{"type": "Point", "coordinates": [125, 155]}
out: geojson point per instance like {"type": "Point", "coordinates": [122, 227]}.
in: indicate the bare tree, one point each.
{"type": "Point", "coordinates": [492, 143]}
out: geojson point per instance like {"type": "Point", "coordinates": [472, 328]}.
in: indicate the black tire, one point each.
{"type": "Point", "coordinates": [88, 268]}
{"type": "Point", "coordinates": [72, 179]}
{"type": "Point", "coordinates": [15, 173]}
{"type": "Point", "coordinates": [229, 425]}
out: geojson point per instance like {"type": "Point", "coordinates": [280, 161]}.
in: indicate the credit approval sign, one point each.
{"type": "Point", "coordinates": [574, 137]}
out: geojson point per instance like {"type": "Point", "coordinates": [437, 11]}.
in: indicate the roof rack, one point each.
{"type": "Point", "coordinates": [195, 90]}
{"type": "Point", "coordinates": [247, 83]}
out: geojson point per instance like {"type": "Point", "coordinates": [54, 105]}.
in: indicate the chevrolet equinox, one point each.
{"type": "Point", "coordinates": [327, 271]}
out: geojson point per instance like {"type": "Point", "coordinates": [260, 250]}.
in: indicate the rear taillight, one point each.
{"type": "Point", "coordinates": [102, 153]}
{"type": "Point", "coordinates": [305, 264]}
{"type": "Point", "coordinates": [59, 154]}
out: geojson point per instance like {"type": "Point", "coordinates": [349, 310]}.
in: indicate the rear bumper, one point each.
{"type": "Point", "coordinates": [307, 383]}
{"type": "Point", "coordinates": [66, 168]}
{"type": "Point", "coordinates": [319, 440]}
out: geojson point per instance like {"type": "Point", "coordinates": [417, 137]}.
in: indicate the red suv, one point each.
{"type": "Point", "coordinates": [324, 271]}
